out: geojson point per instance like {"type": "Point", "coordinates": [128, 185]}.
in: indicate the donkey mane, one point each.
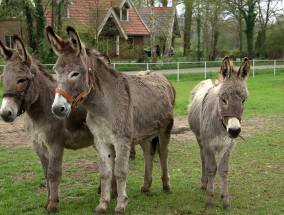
{"type": "Point", "coordinates": [38, 68]}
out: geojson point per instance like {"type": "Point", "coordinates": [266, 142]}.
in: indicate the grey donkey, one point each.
{"type": "Point", "coordinates": [122, 110]}
{"type": "Point", "coordinates": [214, 116]}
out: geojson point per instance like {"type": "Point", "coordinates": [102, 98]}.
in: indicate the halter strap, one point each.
{"type": "Point", "coordinates": [21, 96]}
{"type": "Point", "coordinates": [84, 93]}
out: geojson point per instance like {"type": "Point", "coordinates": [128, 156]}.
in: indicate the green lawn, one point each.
{"type": "Point", "coordinates": [256, 184]}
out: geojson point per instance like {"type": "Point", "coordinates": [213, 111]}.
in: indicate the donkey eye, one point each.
{"type": "Point", "coordinates": [75, 74]}
{"type": "Point", "coordinates": [243, 101]}
{"type": "Point", "coordinates": [20, 81]}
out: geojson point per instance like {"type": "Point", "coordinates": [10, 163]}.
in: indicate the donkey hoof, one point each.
{"type": "Point", "coordinates": [119, 210]}
{"type": "Point", "coordinates": [209, 205]}
{"type": "Point", "coordinates": [144, 189]}
{"type": "Point", "coordinates": [167, 190]}
{"type": "Point", "coordinates": [227, 207]}
{"type": "Point", "coordinates": [203, 189]}
{"type": "Point", "coordinates": [46, 204]}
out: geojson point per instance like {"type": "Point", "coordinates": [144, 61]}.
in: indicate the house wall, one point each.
{"type": "Point", "coordinates": [11, 27]}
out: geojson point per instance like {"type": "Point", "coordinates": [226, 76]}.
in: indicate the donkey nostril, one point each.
{"type": "Point", "coordinates": [234, 132]}
{"type": "Point", "coordinates": [62, 109]}
{"type": "Point", "coordinates": [9, 113]}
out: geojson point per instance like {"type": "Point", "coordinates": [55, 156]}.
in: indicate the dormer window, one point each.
{"type": "Point", "coordinates": [124, 12]}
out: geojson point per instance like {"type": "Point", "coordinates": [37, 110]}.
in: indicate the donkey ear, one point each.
{"type": "Point", "coordinates": [244, 69]}
{"type": "Point", "coordinates": [55, 41]}
{"type": "Point", "coordinates": [5, 52]}
{"type": "Point", "coordinates": [20, 48]}
{"type": "Point", "coordinates": [74, 40]}
{"type": "Point", "coordinates": [225, 68]}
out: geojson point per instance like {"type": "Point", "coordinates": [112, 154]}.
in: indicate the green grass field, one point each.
{"type": "Point", "coordinates": [256, 184]}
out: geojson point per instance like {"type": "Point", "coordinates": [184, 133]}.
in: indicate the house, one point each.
{"type": "Point", "coordinates": [10, 27]}
{"type": "Point", "coordinates": [116, 27]}
{"type": "Point", "coordinates": [162, 16]}
{"type": "Point", "coordinates": [115, 23]}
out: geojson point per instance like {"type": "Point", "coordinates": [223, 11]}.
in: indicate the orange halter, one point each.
{"type": "Point", "coordinates": [74, 101]}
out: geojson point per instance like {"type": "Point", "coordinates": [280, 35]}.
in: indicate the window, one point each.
{"type": "Point", "coordinates": [124, 15]}
{"type": "Point", "coordinates": [130, 42]}
{"type": "Point", "coordinates": [8, 41]}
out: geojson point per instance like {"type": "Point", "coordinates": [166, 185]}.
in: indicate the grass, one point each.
{"type": "Point", "coordinates": [256, 183]}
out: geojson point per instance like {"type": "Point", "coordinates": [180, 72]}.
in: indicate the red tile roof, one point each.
{"type": "Point", "coordinates": [95, 11]}
{"type": "Point", "coordinates": [134, 26]}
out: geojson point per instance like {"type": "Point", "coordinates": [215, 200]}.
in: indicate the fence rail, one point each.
{"type": "Point", "coordinates": [186, 67]}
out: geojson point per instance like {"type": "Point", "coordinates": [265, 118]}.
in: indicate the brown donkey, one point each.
{"type": "Point", "coordinates": [121, 109]}
{"type": "Point", "coordinates": [215, 118]}
{"type": "Point", "coordinates": [28, 88]}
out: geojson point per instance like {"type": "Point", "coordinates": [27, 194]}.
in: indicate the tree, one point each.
{"type": "Point", "coordinates": [265, 11]}
{"type": "Point", "coordinates": [187, 26]}
{"type": "Point", "coordinates": [249, 14]}
{"type": "Point", "coordinates": [169, 38]}
{"type": "Point", "coordinates": [152, 32]}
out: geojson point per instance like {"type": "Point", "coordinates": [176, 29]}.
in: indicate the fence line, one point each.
{"type": "Point", "coordinates": [274, 64]}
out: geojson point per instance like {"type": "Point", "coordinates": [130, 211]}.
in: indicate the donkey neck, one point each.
{"type": "Point", "coordinates": [43, 93]}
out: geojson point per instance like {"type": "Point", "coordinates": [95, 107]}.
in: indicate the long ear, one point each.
{"type": "Point", "coordinates": [55, 41]}
{"type": "Point", "coordinates": [225, 69]}
{"type": "Point", "coordinates": [74, 40]}
{"type": "Point", "coordinates": [244, 69]}
{"type": "Point", "coordinates": [20, 48]}
{"type": "Point", "coordinates": [5, 52]}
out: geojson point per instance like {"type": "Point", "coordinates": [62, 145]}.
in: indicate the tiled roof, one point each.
{"type": "Point", "coordinates": [95, 12]}
{"type": "Point", "coordinates": [134, 25]}
{"type": "Point", "coordinates": [162, 17]}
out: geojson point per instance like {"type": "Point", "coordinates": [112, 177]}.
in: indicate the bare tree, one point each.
{"type": "Point", "coordinates": [152, 32]}
{"type": "Point", "coordinates": [265, 11]}
{"type": "Point", "coordinates": [169, 38]}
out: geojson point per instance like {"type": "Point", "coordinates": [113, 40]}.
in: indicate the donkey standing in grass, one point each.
{"type": "Point", "coordinates": [29, 88]}
{"type": "Point", "coordinates": [122, 109]}
{"type": "Point", "coordinates": [215, 118]}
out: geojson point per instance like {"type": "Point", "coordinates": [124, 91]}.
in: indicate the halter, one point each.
{"type": "Point", "coordinates": [21, 96]}
{"type": "Point", "coordinates": [83, 94]}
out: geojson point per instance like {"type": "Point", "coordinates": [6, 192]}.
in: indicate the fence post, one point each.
{"type": "Point", "coordinates": [205, 67]}
{"type": "Point", "coordinates": [178, 71]}
{"type": "Point", "coordinates": [253, 68]}
{"type": "Point", "coordinates": [147, 66]}
{"type": "Point", "coordinates": [274, 67]}
{"type": "Point", "coordinates": [114, 65]}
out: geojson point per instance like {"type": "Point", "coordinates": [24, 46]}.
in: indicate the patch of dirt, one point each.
{"type": "Point", "coordinates": [14, 135]}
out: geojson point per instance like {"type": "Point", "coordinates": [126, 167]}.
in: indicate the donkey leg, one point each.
{"type": "Point", "coordinates": [122, 150]}
{"type": "Point", "coordinates": [204, 178]}
{"type": "Point", "coordinates": [54, 175]}
{"type": "Point", "coordinates": [148, 154]}
{"type": "Point", "coordinates": [211, 169]}
{"type": "Point", "coordinates": [223, 170]}
{"type": "Point", "coordinates": [106, 160]}
{"type": "Point", "coordinates": [163, 151]}
{"type": "Point", "coordinates": [42, 153]}
{"type": "Point", "coordinates": [132, 152]}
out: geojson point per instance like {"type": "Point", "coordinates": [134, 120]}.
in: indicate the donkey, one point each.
{"type": "Point", "coordinates": [29, 88]}
{"type": "Point", "coordinates": [122, 109]}
{"type": "Point", "coordinates": [215, 118]}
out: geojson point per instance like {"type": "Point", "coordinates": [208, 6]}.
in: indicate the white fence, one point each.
{"type": "Point", "coordinates": [188, 67]}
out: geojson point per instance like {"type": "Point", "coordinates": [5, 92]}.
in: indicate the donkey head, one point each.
{"type": "Point", "coordinates": [17, 80]}
{"type": "Point", "coordinates": [72, 68]}
{"type": "Point", "coordinates": [232, 95]}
